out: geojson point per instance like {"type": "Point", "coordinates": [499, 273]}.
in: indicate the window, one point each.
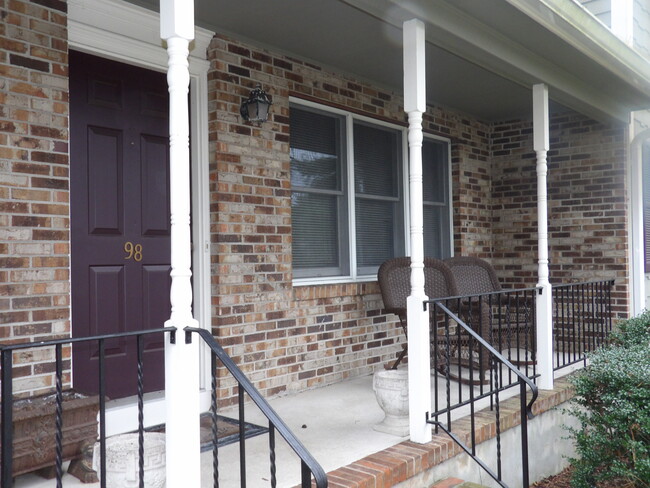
{"type": "Point", "coordinates": [435, 189]}
{"type": "Point", "coordinates": [379, 208]}
{"type": "Point", "coordinates": [318, 201]}
{"type": "Point", "coordinates": [348, 202]}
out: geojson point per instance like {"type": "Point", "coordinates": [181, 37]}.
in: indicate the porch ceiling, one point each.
{"type": "Point", "coordinates": [482, 56]}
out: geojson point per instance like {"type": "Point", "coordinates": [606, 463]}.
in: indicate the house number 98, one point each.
{"type": "Point", "coordinates": [133, 251]}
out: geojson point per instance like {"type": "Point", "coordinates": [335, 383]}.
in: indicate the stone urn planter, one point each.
{"type": "Point", "coordinates": [34, 444]}
{"type": "Point", "coordinates": [122, 468]}
{"type": "Point", "coordinates": [392, 393]}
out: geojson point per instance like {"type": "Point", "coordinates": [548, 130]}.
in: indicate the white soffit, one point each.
{"type": "Point", "coordinates": [608, 80]}
{"type": "Point", "coordinates": [94, 24]}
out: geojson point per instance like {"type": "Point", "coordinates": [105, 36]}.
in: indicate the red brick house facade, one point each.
{"type": "Point", "coordinates": [287, 335]}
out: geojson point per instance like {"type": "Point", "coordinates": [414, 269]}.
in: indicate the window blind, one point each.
{"type": "Point", "coordinates": [377, 187]}
{"type": "Point", "coordinates": [318, 201]}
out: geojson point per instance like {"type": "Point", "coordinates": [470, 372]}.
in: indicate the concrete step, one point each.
{"type": "Point", "coordinates": [455, 483]}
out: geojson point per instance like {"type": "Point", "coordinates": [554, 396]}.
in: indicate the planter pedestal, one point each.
{"type": "Point", "coordinates": [392, 392]}
{"type": "Point", "coordinates": [122, 460]}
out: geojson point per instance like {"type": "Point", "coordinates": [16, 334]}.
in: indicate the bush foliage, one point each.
{"type": "Point", "coordinates": [612, 405]}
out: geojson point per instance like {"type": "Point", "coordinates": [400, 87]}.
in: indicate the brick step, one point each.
{"type": "Point", "coordinates": [456, 483]}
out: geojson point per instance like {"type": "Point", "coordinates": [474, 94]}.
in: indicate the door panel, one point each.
{"type": "Point", "coordinates": [119, 173]}
{"type": "Point", "coordinates": [106, 294]}
{"type": "Point", "coordinates": [156, 281]}
{"type": "Point", "coordinates": [155, 186]}
{"type": "Point", "coordinates": [105, 181]}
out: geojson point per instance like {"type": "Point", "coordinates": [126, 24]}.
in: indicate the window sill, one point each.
{"type": "Point", "coordinates": [332, 280]}
{"type": "Point", "coordinates": [327, 288]}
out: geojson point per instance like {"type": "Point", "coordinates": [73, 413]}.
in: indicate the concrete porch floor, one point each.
{"type": "Point", "coordinates": [335, 423]}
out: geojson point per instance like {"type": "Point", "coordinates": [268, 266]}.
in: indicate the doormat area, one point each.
{"type": "Point", "coordinates": [227, 431]}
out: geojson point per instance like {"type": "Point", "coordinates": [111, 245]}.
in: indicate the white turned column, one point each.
{"type": "Point", "coordinates": [181, 360]}
{"type": "Point", "coordinates": [544, 300]}
{"type": "Point", "coordinates": [417, 318]}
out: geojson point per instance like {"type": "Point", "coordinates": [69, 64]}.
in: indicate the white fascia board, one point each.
{"type": "Point", "coordinates": [469, 38]}
{"type": "Point", "coordinates": [574, 24]}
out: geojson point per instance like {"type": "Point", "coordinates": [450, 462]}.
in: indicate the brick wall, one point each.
{"type": "Point", "coordinates": [34, 210]}
{"type": "Point", "coordinates": [285, 337]}
{"type": "Point", "coordinates": [586, 203]}
{"type": "Point", "coordinates": [471, 178]}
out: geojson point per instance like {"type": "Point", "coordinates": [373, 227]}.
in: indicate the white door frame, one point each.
{"type": "Point", "coordinates": [124, 32]}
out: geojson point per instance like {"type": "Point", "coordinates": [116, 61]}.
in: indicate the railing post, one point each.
{"type": "Point", "coordinates": [183, 455]}
{"type": "Point", "coordinates": [417, 318]}
{"type": "Point", "coordinates": [544, 299]}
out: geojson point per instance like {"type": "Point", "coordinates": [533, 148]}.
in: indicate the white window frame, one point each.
{"type": "Point", "coordinates": [350, 118]}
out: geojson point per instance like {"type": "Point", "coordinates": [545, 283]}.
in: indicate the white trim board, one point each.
{"type": "Point", "coordinates": [636, 247]}
{"type": "Point", "coordinates": [123, 32]}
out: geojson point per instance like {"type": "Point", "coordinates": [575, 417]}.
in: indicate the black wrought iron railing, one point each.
{"type": "Point", "coordinates": [494, 353]}
{"type": "Point", "coordinates": [582, 320]}
{"type": "Point", "coordinates": [309, 467]}
{"type": "Point", "coordinates": [58, 405]}
{"type": "Point", "coordinates": [58, 408]}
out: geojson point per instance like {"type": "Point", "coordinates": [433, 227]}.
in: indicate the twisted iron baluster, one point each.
{"type": "Point", "coordinates": [213, 415]}
{"type": "Point", "coordinates": [272, 450]}
{"type": "Point", "coordinates": [242, 438]}
{"type": "Point", "coordinates": [498, 420]}
{"type": "Point", "coordinates": [436, 358]}
{"type": "Point", "coordinates": [6, 407]}
{"type": "Point", "coordinates": [471, 388]}
{"type": "Point", "coordinates": [448, 372]}
{"type": "Point", "coordinates": [102, 413]}
{"type": "Point", "coordinates": [459, 348]}
{"type": "Point", "coordinates": [59, 417]}
{"type": "Point", "coordinates": [140, 414]}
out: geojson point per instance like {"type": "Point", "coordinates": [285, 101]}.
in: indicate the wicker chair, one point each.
{"type": "Point", "coordinates": [508, 322]}
{"type": "Point", "coordinates": [394, 278]}
{"type": "Point", "coordinates": [473, 275]}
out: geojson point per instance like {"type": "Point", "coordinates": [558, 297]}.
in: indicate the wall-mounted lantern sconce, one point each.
{"type": "Point", "coordinates": [256, 108]}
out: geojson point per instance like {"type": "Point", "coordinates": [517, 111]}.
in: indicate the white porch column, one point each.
{"type": "Point", "coordinates": [544, 301]}
{"type": "Point", "coordinates": [417, 318]}
{"type": "Point", "coordinates": [181, 360]}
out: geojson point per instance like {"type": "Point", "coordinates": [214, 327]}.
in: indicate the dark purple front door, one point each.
{"type": "Point", "coordinates": [119, 173]}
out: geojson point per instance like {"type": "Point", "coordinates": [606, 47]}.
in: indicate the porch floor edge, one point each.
{"type": "Point", "coordinates": [391, 466]}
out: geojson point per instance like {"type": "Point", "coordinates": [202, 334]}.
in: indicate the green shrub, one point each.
{"type": "Point", "coordinates": [612, 406]}
{"type": "Point", "coordinates": [634, 331]}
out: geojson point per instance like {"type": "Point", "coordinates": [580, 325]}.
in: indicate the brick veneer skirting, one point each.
{"type": "Point", "coordinates": [407, 459]}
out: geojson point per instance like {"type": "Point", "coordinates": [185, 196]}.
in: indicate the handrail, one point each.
{"type": "Point", "coordinates": [495, 353]}
{"type": "Point", "coordinates": [525, 408]}
{"type": "Point", "coordinates": [503, 291]}
{"type": "Point", "coordinates": [73, 340]}
{"type": "Point", "coordinates": [306, 458]}
{"type": "Point", "coordinates": [610, 281]}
